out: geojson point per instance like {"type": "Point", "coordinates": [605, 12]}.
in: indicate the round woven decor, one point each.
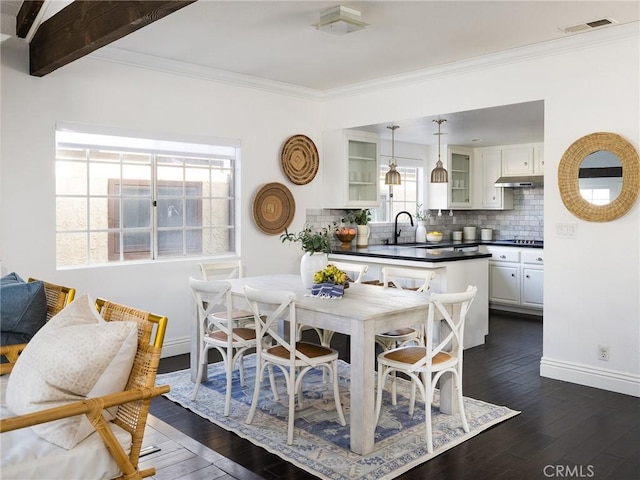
{"type": "Point", "coordinates": [569, 168]}
{"type": "Point", "coordinates": [273, 208]}
{"type": "Point", "coordinates": [299, 159]}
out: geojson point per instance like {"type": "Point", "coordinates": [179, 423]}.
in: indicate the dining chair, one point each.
{"type": "Point", "coordinates": [401, 277]}
{"type": "Point", "coordinates": [426, 364]}
{"type": "Point", "coordinates": [293, 358]}
{"type": "Point", "coordinates": [213, 309]}
{"type": "Point", "coordinates": [225, 270]}
{"type": "Point", "coordinates": [355, 274]}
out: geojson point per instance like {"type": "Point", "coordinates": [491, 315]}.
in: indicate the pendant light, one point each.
{"type": "Point", "coordinates": [393, 176]}
{"type": "Point", "coordinates": [439, 174]}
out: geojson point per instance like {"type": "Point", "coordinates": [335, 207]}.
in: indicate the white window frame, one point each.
{"type": "Point", "coordinates": [216, 156]}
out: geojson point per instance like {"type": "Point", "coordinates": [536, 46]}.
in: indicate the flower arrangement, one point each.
{"type": "Point", "coordinates": [331, 274]}
{"type": "Point", "coordinates": [329, 283]}
{"type": "Point", "coordinates": [311, 241]}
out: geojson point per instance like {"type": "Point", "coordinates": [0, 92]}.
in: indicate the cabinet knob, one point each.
{"type": "Point", "coordinates": [526, 163]}
{"type": "Point", "coordinates": [503, 256]}
{"type": "Point", "coordinates": [539, 259]}
{"type": "Point", "coordinates": [513, 274]}
{"type": "Point", "coordinates": [528, 276]}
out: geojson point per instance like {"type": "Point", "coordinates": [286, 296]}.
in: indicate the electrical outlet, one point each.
{"type": "Point", "coordinates": [603, 352]}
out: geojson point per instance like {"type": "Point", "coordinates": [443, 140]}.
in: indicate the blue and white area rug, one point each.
{"type": "Point", "coordinates": [321, 444]}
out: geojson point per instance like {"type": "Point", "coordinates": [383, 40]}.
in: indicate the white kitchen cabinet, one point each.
{"type": "Point", "coordinates": [350, 169]}
{"type": "Point", "coordinates": [491, 197]}
{"type": "Point", "coordinates": [516, 278]}
{"type": "Point", "coordinates": [457, 192]}
{"type": "Point", "coordinates": [517, 160]}
{"type": "Point", "coordinates": [538, 166]}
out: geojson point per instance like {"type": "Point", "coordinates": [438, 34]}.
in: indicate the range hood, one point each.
{"type": "Point", "coordinates": [521, 182]}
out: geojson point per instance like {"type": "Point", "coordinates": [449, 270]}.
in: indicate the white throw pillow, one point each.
{"type": "Point", "coordinates": [76, 355]}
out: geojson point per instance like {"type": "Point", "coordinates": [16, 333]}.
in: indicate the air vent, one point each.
{"type": "Point", "coordinates": [581, 27]}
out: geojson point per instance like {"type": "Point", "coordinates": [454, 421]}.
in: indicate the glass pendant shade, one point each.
{"type": "Point", "coordinates": [439, 174]}
{"type": "Point", "coordinates": [392, 177]}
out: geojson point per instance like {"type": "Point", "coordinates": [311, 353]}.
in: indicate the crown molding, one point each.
{"type": "Point", "coordinates": [574, 42]}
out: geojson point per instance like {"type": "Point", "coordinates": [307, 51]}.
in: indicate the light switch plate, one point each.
{"type": "Point", "coordinates": [566, 230]}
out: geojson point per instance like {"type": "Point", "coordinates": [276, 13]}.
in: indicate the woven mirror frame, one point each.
{"type": "Point", "coordinates": [568, 180]}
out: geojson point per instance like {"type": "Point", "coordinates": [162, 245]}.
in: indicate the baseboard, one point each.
{"type": "Point", "coordinates": [611, 380]}
{"type": "Point", "coordinates": [176, 346]}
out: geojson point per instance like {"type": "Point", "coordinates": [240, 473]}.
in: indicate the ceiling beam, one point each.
{"type": "Point", "coordinates": [26, 16]}
{"type": "Point", "coordinates": [85, 26]}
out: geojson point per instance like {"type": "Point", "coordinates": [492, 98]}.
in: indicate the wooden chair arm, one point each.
{"type": "Point", "coordinates": [83, 407]}
{"type": "Point", "coordinates": [11, 353]}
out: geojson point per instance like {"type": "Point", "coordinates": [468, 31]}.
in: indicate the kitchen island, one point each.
{"type": "Point", "coordinates": [455, 270]}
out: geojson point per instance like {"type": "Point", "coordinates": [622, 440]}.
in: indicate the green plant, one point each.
{"type": "Point", "coordinates": [311, 241]}
{"type": "Point", "coordinates": [359, 217]}
{"type": "Point", "coordinates": [421, 214]}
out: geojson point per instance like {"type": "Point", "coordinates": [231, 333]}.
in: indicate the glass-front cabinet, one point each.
{"type": "Point", "coordinates": [350, 169]}
{"type": "Point", "coordinates": [460, 176]}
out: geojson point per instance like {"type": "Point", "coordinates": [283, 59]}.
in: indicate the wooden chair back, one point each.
{"type": "Point", "coordinates": [398, 277]}
{"type": "Point", "coordinates": [222, 270]}
{"type": "Point", "coordinates": [151, 331]}
{"type": "Point", "coordinates": [358, 269]}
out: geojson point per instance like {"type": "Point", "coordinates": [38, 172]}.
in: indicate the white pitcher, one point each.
{"type": "Point", "coordinates": [362, 240]}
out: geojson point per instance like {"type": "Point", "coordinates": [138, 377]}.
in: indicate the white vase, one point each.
{"type": "Point", "coordinates": [421, 233]}
{"type": "Point", "coordinates": [311, 263]}
{"type": "Point", "coordinates": [362, 240]}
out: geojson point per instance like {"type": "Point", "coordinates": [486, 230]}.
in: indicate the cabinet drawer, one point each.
{"type": "Point", "coordinates": [505, 255]}
{"type": "Point", "coordinates": [535, 257]}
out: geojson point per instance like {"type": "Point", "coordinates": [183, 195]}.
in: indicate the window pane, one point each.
{"type": "Point", "coordinates": [136, 213]}
{"type": "Point", "coordinates": [71, 249]}
{"type": "Point", "coordinates": [71, 178]}
{"type": "Point", "coordinates": [98, 214]}
{"type": "Point", "coordinates": [71, 214]}
{"type": "Point", "coordinates": [98, 247]}
{"type": "Point", "coordinates": [135, 172]}
{"type": "Point", "coordinates": [99, 175]}
{"type": "Point", "coordinates": [170, 212]}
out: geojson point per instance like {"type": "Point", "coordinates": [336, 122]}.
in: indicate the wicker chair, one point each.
{"type": "Point", "coordinates": [132, 403]}
{"type": "Point", "coordinates": [58, 297]}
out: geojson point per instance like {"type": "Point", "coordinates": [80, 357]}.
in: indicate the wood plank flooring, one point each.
{"type": "Point", "coordinates": [564, 430]}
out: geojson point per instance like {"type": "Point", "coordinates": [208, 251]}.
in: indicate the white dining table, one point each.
{"type": "Point", "coordinates": [361, 313]}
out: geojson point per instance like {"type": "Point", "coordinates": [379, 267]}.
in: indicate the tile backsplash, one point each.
{"type": "Point", "coordinates": [525, 221]}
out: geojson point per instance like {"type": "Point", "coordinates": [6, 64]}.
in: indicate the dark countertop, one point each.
{"type": "Point", "coordinates": [425, 252]}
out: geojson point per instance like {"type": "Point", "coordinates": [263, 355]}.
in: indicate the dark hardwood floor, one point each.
{"type": "Point", "coordinates": [564, 430]}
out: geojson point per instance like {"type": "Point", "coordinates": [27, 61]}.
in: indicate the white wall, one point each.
{"type": "Point", "coordinates": [96, 92]}
{"type": "Point", "coordinates": [592, 282]}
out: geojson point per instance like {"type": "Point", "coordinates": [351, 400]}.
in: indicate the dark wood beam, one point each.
{"type": "Point", "coordinates": [85, 26]}
{"type": "Point", "coordinates": [26, 16]}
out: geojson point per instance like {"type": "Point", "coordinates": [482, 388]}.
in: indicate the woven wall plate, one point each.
{"type": "Point", "coordinates": [299, 159]}
{"type": "Point", "coordinates": [569, 168]}
{"type": "Point", "coordinates": [273, 208]}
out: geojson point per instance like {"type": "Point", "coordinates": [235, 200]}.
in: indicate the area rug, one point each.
{"type": "Point", "coordinates": [321, 444]}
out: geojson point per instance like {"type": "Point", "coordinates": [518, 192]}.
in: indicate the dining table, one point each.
{"type": "Point", "coordinates": [364, 311]}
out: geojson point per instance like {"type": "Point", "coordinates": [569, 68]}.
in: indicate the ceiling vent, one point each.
{"type": "Point", "coordinates": [340, 20]}
{"type": "Point", "coordinates": [583, 27]}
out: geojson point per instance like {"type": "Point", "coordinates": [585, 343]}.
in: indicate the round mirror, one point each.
{"type": "Point", "coordinates": [599, 177]}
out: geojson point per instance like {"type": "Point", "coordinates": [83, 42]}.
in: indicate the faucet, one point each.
{"type": "Point", "coordinates": [396, 232]}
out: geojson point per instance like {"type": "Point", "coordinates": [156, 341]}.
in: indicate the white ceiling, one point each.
{"type": "Point", "coordinates": [276, 41]}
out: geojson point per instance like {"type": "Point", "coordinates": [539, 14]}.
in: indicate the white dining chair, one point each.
{"type": "Point", "coordinates": [416, 279]}
{"type": "Point", "coordinates": [293, 358]}
{"type": "Point", "coordinates": [225, 270]}
{"type": "Point", "coordinates": [426, 364]}
{"type": "Point", "coordinates": [213, 309]}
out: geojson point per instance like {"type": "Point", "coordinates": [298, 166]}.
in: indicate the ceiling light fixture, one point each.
{"type": "Point", "coordinates": [439, 174]}
{"type": "Point", "coordinates": [392, 177]}
{"type": "Point", "coordinates": [340, 20]}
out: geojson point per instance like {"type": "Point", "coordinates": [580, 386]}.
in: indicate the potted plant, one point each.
{"type": "Point", "coordinates": [361, 218]}
{"type": "Point", "coordinates": [329, 282]}
{"type": "Point", "coordinates": [421, 230]}
{"type": "Point", "coordinates": [316, 244]}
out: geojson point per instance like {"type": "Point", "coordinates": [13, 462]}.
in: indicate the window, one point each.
{"type": "Point", "coordinates": [122, 198]}
{"type": "Point", "coordinates": [405, 195]}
